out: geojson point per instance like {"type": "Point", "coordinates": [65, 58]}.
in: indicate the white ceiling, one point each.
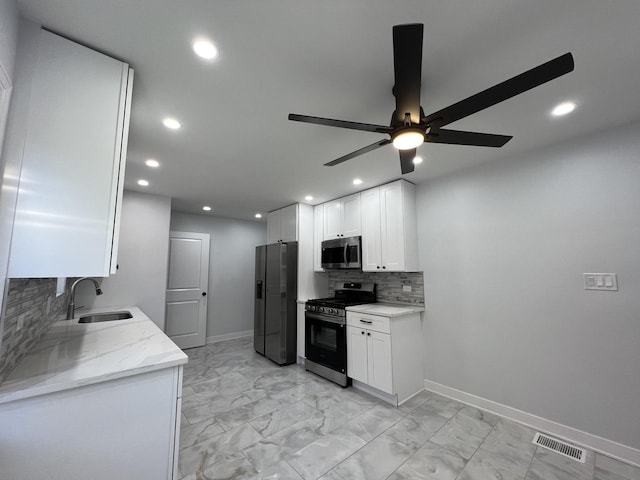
{"type": "Point", "coordinates": [333, 58]}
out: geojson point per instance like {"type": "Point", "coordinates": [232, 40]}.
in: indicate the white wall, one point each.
{"type": "Point", "coordinates": [142, 257]}
{"type": "Point", "coordinates": [231, 270]}
{"type": "Point", "coordinates": [503, 249]}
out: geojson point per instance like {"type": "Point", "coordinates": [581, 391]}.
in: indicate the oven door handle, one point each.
{"type": "Point", "coordinates": [323, 318]}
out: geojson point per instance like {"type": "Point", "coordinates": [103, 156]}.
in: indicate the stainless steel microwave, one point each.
{"type": "Point", "coordinates": [342, 253]}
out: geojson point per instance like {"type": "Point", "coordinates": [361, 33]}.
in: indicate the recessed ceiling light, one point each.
{"type": "Point", "coordinates": [205, 49]}
{"type": "Point", "coordinates": [258, 215]}
{"type": "Point", "coordinates": [357, 181]}
{"type": "Point", "coordinates": [143, 183]}
{"type": "Point", "coordinates": [206, 208]}
{"type": "Point", "coordinates": [563, 109]}
{"type": "Point", "coordinates": [171, 123]}
{"type": "Point", "coordinates": [308, 198]}
{"type": "Point", "coordinates": [417, 160]}
{"type": "Point", "coordinates": [150, 162]}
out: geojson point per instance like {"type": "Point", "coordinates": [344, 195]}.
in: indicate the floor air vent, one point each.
{"type": "Point", "coordinates": [558, 446]}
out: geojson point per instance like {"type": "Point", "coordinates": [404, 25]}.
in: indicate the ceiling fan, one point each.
{"type": "Point", "coordinates": [410, 127]}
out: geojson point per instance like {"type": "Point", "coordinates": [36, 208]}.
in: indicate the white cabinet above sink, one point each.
{"type": "Point", "coordinates": [70, 195]}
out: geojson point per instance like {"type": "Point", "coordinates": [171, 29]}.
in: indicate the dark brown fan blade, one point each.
{"type": "Point", "coordinates": [503, 91]}
{"type": "Point", "coordinates": [367, 127]}
{"type": "Point", "coordinates": [458, 137]}
{"type": "Point", "coordinates": [407, 63]}
{"type": "Point", "coordinates": [363, 150]}
{"type": "Point", "coordinates": [406, 160]}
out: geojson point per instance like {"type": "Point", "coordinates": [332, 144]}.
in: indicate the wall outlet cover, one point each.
{"type": "Point", "coordinates": [601, 281]}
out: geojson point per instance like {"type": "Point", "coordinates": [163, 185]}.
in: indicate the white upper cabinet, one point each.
{"type": "Point", "coordinates": [70, 195]}
{"type": "Point", "coordinates": [342, 217]}
{"type": "Point", "coordinates": [389, 232]}
{"type": "Point", "coordinates": [282, 225]}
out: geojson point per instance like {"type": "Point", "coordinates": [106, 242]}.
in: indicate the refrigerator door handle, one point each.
{"type": "Point", "coordinates": [259, 289]}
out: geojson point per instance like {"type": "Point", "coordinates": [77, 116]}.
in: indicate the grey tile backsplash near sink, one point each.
{"type": "Point", "coordinates": [28, 299]}
{"type": "Point", "coordinates": [389, 284]}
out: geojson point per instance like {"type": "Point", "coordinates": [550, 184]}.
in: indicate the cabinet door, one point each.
{"type": "Point", "coordinates": [370, 208]}
{"type": "Point", "coordinates": [379, 361]}
{"type": "Point", "coordinates": [289, 223]}
{"type": "Point", "coordinates": [357, 354]}
{"type": "Point", "coordinates": [73, 156]}
{"type": "Point", "coordinates": [273, 226]}
{"type": "Point", "coordinates": [351, 220]}
{"type": "Point", "coordinates": [318, 236]}
{"type": "Point", "coordinates": [332, 219]}
{"type": "Point", "coordinates": [392, 228]}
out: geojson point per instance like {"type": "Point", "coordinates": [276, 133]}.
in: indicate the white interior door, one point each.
{"type": "Point", "coordinates": [187, 284]}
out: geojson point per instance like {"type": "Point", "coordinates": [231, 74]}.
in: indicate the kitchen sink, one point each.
{"type": "Point", "coordinates": [105, 317]}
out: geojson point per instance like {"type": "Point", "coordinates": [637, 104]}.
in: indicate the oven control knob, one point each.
{"type": "Point", "coordinates": [321, 309]}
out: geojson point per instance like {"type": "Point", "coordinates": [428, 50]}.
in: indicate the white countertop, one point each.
{"type": "Point", "coordinates": [385, 309]}
{"type": "Point", "coordinates": [72, 355]}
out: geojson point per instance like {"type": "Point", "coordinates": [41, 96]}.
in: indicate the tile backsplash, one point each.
{"type": "Point", "coordinates": [388, 284]}
{"type": "Point", "coordinates": [33, 302]}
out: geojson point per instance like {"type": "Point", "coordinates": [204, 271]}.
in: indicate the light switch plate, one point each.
{"type": "Point", "coordinates": [601, 281]}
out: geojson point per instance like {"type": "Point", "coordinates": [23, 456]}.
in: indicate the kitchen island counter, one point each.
{"type": "Point", "coordinates": [71, 355]}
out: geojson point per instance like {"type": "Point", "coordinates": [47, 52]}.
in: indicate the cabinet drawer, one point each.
{"type": "Point", "coordinates": [370, 322]}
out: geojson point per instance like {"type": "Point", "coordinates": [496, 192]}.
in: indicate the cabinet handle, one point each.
{"type": "Point", "coordinates": [378, 267]}
{"type": "Point", "coordinates": [368, 334]}
{"type": "Point", "coordinates": [362, 333]}
{"type": "Point", "coordinates": [384, 267]}
{"type": "Point", "coordinates": [368, 322]}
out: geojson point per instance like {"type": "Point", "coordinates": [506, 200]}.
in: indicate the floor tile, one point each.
{"type": "Point", "coordinates": [487, 466]}
{"type": "Point", "coordinates": [373, 422]}
{"type": "Point", "coordinates": [440, 405]}
{"type": "Point", "coordinates": [416, 428]}
{"type": "Point", "coordinates": [462, 434]}
{"type": "Point", "coordinates": [282, 418]}
{"type": "Point", "coordinates": [323, 454]}
{"type": "Point", "coordinates": [279, 471]}
{"type": "Point", "coordinates": [610, 469]}
{"type": "Point", "coordinates": [199, 432]}
{"type": "Point", "coordinates": [225, 447]}
{"type": "Point", "coordinates": [283, 444]}
{"type": "Point", "coordinates": [431, 461]}
{"type": "Point", "coordinates": [549, 465]}
{"type": "Point", "coordinates": [376, 460]}
{"type": "Point", "coordinates": [511, 441]}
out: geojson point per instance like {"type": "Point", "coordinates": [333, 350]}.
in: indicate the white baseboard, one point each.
{"type": "Point", "coordinates": [229, 336]}
{"type": "Point", "coordinates": [374, 392]}
{"type": "Point", "coordinates": [602, 445]}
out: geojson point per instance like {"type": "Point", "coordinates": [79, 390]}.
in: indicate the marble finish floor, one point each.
{"type": "Point", "coordinates": [243, 417]}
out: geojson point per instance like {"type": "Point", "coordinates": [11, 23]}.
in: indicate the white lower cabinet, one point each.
{"type": "Point", "coordinates": [385, 354]}
{"type": "Point", "coordinates": [124, 428]}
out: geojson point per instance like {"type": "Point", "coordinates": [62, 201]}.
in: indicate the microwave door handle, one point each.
{"type": "Point", "coordinates": [346, 254]}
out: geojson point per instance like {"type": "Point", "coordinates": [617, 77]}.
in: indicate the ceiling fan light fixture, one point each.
{"type": "Point", "coordinates": [408, 139]}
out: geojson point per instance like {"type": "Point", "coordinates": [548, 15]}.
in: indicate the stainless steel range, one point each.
{"type": "Point", "coordinates": [325, 330]}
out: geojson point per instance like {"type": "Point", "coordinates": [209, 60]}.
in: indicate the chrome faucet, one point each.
{"type": "Point", "coordinates": [71, 307]}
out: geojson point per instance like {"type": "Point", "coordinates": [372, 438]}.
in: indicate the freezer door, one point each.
{"type": "Point", "coordinates": [260, 300]}
{"type": "Point", "coordinates": [281, 293]}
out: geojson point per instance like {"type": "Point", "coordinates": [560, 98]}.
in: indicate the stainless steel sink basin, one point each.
{"type": "Point", "coordinates": [105, 317]}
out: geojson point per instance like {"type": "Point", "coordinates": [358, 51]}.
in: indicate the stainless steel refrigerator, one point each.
{"type": "Point", "coordinates": [275, 322]}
